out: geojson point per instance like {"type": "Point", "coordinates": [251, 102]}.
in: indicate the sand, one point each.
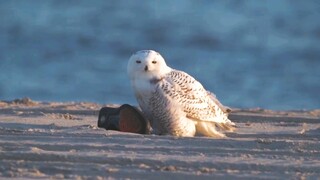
{"type": "Point", "coordinates": [61, 140]}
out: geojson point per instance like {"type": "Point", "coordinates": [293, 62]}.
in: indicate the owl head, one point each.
{"type": "Point", "coordinates": [147, 64]}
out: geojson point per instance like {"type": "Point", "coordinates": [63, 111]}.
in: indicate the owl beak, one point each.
{"type": "Point", "coordinates": [146, 68]}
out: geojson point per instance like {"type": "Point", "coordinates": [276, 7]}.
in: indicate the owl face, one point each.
{"type": "Point", "coordinates": [146, 63]}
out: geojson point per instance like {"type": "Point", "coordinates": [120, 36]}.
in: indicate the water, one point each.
{"type": "Point", "coordinates": [249, 53]}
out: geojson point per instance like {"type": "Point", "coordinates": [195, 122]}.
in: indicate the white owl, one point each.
{"type": "Point", "coordinates": [173, 101]}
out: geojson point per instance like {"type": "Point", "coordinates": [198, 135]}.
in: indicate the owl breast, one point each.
{"type": "Point", "coordinates": [168, 117]}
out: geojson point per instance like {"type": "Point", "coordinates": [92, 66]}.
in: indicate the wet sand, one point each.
{"type": "Point", "coordinates": [62, 140]}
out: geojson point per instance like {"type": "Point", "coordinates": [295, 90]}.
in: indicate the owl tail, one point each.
{"type": "Point", "coordinates": [227, 125]}
{"type": "Point", "coordinates": [209, 128]}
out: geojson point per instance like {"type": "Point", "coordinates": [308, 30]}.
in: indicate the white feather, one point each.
{"type": "Point", "coordinates": [173, 101]}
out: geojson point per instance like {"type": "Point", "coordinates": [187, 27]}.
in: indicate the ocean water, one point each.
{"type": "Point", "coordinates": [249, 53]}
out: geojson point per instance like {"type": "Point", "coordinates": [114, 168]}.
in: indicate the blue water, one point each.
{"type": "Point", "coordinates": [249, 53]}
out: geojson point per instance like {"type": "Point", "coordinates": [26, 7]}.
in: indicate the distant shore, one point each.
{"type": "Point", "coordinates": [62, 140]}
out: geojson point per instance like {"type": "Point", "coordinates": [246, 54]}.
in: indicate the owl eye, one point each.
{"type": "Point", "coordinates": [154, 62]}
{"type": "Point", "coordinates": [138, 61]}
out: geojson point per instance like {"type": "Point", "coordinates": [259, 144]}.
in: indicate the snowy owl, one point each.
{"type": "Point", "coordinates": [173, 101]}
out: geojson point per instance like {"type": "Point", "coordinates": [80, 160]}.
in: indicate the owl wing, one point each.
{"type": "Point", "coordinates": [196, 102]}
{"type": "Point", "coordinates": [225, 109]}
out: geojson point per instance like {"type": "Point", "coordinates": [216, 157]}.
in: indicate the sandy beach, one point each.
{"type": "Point", "coordinates": [61, 140]}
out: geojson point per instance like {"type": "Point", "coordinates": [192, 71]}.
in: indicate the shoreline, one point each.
{"type": "Point", "coordinates": [62, 140]}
